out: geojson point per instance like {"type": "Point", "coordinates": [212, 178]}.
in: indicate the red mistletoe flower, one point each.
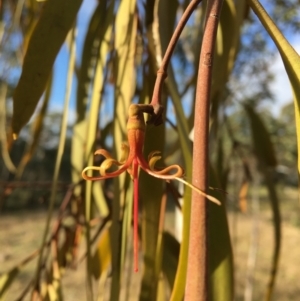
{"type": "Point", "coordinates": [132, 159]}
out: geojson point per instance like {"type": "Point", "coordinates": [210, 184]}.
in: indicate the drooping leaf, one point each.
{"type": "Point", "coordinates": [101, 260]}
{"type": "Point", "coordinates": [266, 157]}
{"type": "Point", "coordinates": [262, 143]}
{"type": "Point", "coordinates": [89, 59]}
{"type": "Point", "coordinates": [290, 58]}
{"type": "Point", "coordinates": [227, 45]}
{"type": "Point", "coordinates": [36, 131]}
{"type": "Point", "coordinates": [92, 126]}
{"type": "Point", "coordinates": [54, 288]}
{"type": "Point", "coordinates": [3, 137]}
{"type": "Point", "coordinates": [171, 251]}
{"type": "Point", "coordinates": [274, 202]}
{"type": "Point", "coordinates": [6, 281]}
{"type": "Point", "coordinates": [61, 146]}
{"type": "Point", "coordinates": [220, 250]}
{"type": "Point", "coordinates": [125, 84]}
{"type": "Point", "coordinates": [99, 199]}
{"type": "Point", "coordinates": [94, 37]}
{"type": "Point", "coordinates": [77, 153]}
{"type": "Point", "coordinates": [47, 38]}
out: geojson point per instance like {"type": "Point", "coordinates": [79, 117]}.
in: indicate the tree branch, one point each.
{"type": "Point", "coordinates": [197, 273]}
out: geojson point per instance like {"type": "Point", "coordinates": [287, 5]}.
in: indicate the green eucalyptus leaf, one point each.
{"type": "Point", "coordinates": [125, 84]}
{"type": "Point", "coordinates": [56, 20]}
{"type": "Point", "coordinates": [220, 250]}
{"type": "Point", "coordinates": [93, 38]}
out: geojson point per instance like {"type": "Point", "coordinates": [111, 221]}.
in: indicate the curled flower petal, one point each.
{"type": "Point", "coordinates": [152, 161]}
{"type": "Point", "coordinates": [154, 154]}
{"type": "Point", "coordinates": [107, 175]}
{"type": "Point", "coordinates": [106, 164]}
{"type": "Point", "coordinates": [125, 152]}
{"type": "Point", "coordinates": [154, 157]}
{"type": "Point", "coordinates": [104, 153]}
{"type": "Point", "coordinates": [161, 174]}
{"type": "Point", "coordinates": [165, 173]}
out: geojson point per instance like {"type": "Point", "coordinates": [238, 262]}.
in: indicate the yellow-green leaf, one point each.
{"type": "Point", "coordinates": [226, 46]}
{"type": "Point", "coordinates": [37, 128]}
{"type": "Point", "coordinates": [101, 259]}
{"type": "Point", "coordinates": [6, 280]}
{"type": "Point", "coordinates": [274, 202]}
{"type": "Point", "coordinates": [3, 137]}
{"type": "Point", "coordinates": [220, 251]}
{"type": "Point", "coordinates": [93, 38]}
{"type": "Point", "coordinates": [92, 126]}
{"type": "Point", "coordinates": [49, 34]}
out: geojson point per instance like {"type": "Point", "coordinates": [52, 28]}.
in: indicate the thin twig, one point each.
{"type": "Point", "coordinates": [162, 71]}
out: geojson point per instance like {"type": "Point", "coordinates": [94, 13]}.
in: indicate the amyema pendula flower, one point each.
{"type": "Point", "coordinates": [132, 159]}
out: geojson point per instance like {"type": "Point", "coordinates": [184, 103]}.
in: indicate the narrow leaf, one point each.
{"type": "Point", "coordinates": [94, 37]}
{"type": "Point", "coordinates": [220, 251]}
{"type": "Point", "coordinates": [124, 74]}
{"type": "Point", "coordinates": [92, 126]}
{"type": "Point", "coordinates": [171, 251]}
{"type": "Point", "coordinates": [101, 260]}
{"type": "Point", "coordinates": [36, 131]}
{"type": "Point", "coordinates": [61, 145]}
{"type": "Point", "coordinates": [266, 156]}
{"type": "Point", "coordinates": [274, 202]}
{"type": "Point", "coordinates": [48, 36]}
{"type": "Point", "coordinates": [290, 58]}
{"type": "Point", "coordinates": [226, 47]}
{"type": "Point", "coordinates": [6, 280]}
{"type": "Point", "coordinates": [3, 137]}
{"type": "Point", "coordinates": [262, 143]}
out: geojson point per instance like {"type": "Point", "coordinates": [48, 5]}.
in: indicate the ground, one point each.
{"type": "Point", "coordinates": [252, 238]}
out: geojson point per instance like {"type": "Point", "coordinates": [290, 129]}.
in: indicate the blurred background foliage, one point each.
{"type": "Point", "coordinates": [252, 139]}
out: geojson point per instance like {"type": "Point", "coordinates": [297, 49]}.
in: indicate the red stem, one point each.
{"type": "Point", "coordinates": [135, 214]}
{"type": "Point", "coordinates": [197, 272]}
